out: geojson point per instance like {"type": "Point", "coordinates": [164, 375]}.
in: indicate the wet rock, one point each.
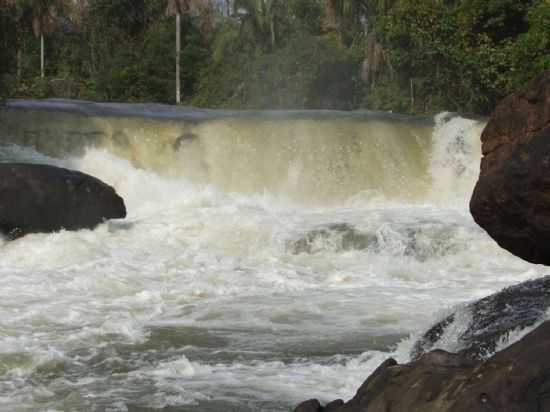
{"type": "Point", "coordinates": [43, 198]}
{"type": "Point", "coordinates": [183, 140]}
{"type": "Point", "coordinates": [342, 235]}
{"type": "Point", "coordinates": [491, 319]}
{"type": "Point", "coordinates": [311, 405]}
{"type": "Point", "coordinates": [333, 406]}
{"type": "Point", "coordinates": [428, 240]}
{"type": "Point", "coordinates": [516, 379]}
{"type": "Point", "coordinates": [511, 200]}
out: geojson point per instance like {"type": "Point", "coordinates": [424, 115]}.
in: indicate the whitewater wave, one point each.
{"type": "Point", "coordinates": [262, 262]}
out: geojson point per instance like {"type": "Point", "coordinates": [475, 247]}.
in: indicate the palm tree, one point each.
{"type": "Point", "coordinates": [177, 8]}
{"type": "Point", "coordinates": [202, 8]}
{"type": "Point", "coordinates": [42, 16]}
{"type": "Point", "coordinates": [44, 13]}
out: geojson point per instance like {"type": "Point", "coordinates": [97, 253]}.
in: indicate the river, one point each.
{"type": "Point", "coordinates": [267, 257]}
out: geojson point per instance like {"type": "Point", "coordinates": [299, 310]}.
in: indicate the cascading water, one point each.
{"type": "Point", "coordinates": [268, 257]}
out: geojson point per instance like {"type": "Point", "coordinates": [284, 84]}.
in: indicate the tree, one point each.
{"type": "Point", "coordinates": [345, 17]}
{"type": "Point", "coordinates": [177, 8]}
{"type": "Point", "coordinates": [44, 17]}
{"type": "Point", "coordinates": [19, 10]}
{"type": "Point", "coordinates": [261, 15]}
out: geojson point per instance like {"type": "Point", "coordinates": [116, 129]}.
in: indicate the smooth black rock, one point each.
{"type": "Point", "coordinates": [493, 318]}
{"type": "Point", "coordinates": [43, 198]}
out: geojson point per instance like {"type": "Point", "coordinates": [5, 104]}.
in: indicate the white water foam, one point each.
{"type": "Point", "coordinates": [201, 298]}
{"type": "Point", "coordinates": [455, 159]}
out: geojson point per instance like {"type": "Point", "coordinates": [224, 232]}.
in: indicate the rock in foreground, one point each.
{"type": "Point", "coordinates": [514, 380]}
{"type": "Point", "coordinates": [483, 323]}
{"type": "Point", "coordinates": [511, 200]}
{"type": "Point", "coordinates": [42, 198]}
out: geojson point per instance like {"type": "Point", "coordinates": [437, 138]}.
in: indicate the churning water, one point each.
{"type": "Point", "coordinates": [267, 257]}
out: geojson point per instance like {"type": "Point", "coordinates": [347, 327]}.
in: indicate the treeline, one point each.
{"type": "Point", "coordinates": [418, 56]}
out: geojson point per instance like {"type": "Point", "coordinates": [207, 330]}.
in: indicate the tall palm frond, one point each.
{"type": "Point", "coordinates": [175, 7]}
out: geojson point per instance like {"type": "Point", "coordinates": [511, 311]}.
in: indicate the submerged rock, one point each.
{"type": "Point", "coordinates": [429, 239]}
{"type": "Point", "coordinates": [43, 198]}
{"type": "Point", "coordinates": [511, 200]}
{"type": "Point", "coordinates": [341, 236]}
{"type": "Point", "coordinates": [514, 380]}
{"type": "Point", "coordinates": [491, 319]}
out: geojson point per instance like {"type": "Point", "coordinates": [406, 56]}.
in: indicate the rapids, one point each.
{"type": "Point", "coordinates": [267, 257]}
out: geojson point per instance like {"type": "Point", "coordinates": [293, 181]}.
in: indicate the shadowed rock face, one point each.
{"type": "Point", "coordinates": [514, 380]}
{"type": "Point", "coordinates": [511, 200]}
{"type": "Point", "coordinates": [493, 318]}
{"type": "Point", "coordinates": [42, 198]}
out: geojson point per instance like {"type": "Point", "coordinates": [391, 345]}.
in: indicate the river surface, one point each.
{"type": "Point", "coordinates": [267, 258]}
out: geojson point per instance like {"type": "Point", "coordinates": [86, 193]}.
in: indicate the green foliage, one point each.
{"type": "Point", "coordinates": [530, 52]}
{"type": "Point", "coordinates": [307, 14]}
{"type": "Point", "coordinates": [40, 88]}
{"type": "Point", "coordinates": [388, 96]}
{"type": "Point", "coordinates": [8, 86]}
{"type": "Point", "coordinates": [308, 72]}
{"type": "Point", "coordinates": [462, 55]}
{"type": "Point", "coordinates": [417, 56]}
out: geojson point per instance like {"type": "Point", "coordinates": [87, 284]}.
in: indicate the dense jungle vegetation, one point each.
{"type": "Point", "coordinates": [418, 56]}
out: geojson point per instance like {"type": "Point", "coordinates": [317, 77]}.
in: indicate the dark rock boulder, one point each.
{"type": "Point", "coordinates": [516, 379]}
{"type": "Point", "coordinates": [42, 198]}
{"type": "Point", "coordinates": [492, 318]}
{"type": "Point", "coordinates": [511, 200]}
{"type": "Point", "coordinates": [311, 405]}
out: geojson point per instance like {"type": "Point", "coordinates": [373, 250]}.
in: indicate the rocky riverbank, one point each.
{"type": "Point", "coordinates": [514, 380]}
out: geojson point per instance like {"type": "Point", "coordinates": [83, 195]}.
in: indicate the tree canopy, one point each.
{"type": "Point", "coordinates": [417, 56]}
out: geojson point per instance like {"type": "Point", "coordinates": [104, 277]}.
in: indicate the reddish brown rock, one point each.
{"type": "Point", "coordinates": [514, 380]}
{"type": "Point", "coordinates": [511, 200]}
